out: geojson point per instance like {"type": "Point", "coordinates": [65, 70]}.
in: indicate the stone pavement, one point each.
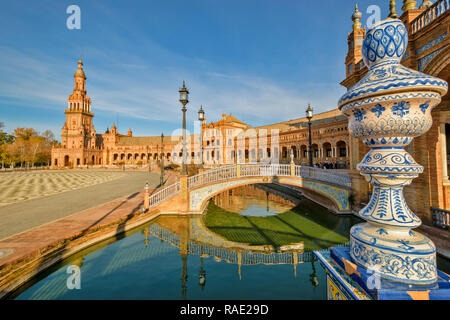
{"type": "Point", "coordinates": [22, 216]}
{"type": "Point", "coordinates": [23, 186]}
{"type": "Point", "coordinates": [25, 252]}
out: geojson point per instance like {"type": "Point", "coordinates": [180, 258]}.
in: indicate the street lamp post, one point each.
{"type": "Point", "coordinates": [162, 160]}
{"type": "Point", "coordinates": [309, 115]}
{"type": "Point", "coordinates": [184, 93]}
{"type": "Point", "coordinates": [201, 118]}
{"type": "Point", "coordinates": [148, 160]}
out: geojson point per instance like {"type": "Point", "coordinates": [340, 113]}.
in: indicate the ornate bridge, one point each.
{"type": "Point", "coordinates": [190, 194]}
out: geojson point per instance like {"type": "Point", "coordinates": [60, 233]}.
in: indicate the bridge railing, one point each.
{"type": "Point", "coordinates": [429, 15]}
{"type": "Point", "coordinates": [222, 173]}
{"type": "Point", "coordinates": [164, 194]}
{"type": "Point", "coordinates": [265, 170]}
{"type": "Point", "coordinates": [252, 170]}
{"type": "Point", "coordinates": [324, 175]}
{"type": "Point", "coordinates": [269, 170]}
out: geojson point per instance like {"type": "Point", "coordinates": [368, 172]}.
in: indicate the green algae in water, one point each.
{"type": "Point", "coordinates": [307, 222]}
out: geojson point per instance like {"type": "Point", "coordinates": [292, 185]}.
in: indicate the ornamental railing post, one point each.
{"type": "Point", "coordinates": [389, 107]}
{"type": "Point", "coordinates": [146, 197]}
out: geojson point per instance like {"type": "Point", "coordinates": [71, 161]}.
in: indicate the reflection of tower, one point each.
{"type": "Point", "coordinates": [184, 276]}
{"type": "Point", "coordinates": [202, 275]}
{"type": "Point", "coordinates": [267, 201]}
{"type": "Point", "coordinates": [313, 277]}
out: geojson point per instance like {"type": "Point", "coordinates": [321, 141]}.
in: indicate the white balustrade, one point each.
{"type": "Point", "coordinates": [429, 15]}
{"type": "Point", "coordinates": [219, 174]}
{"type": "Point", "coordinates": [325, 175]}
{"type": "Point", "coordinates": [164, 194]}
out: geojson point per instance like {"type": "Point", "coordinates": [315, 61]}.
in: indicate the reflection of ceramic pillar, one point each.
{"type": "Point", "coordinates": [443, 141]}
{"type": "Point", "coordinates": [388, 108]}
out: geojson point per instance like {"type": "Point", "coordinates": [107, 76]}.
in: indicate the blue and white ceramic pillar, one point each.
{"type": "Point", "coordinates": [388, 108]}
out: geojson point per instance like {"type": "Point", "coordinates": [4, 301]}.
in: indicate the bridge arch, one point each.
{"type": "Point", "coordinates": [340, 203]}
{"type": "Point", "coordinates": [205, 186]}
{"type": "Point", "coordinates": [438, 64]}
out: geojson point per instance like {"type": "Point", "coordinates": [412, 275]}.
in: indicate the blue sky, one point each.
{"type": "Point", "coordinates": [261, 60]}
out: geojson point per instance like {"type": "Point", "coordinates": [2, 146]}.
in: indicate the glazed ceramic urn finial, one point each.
{"type": "Point", "coordinates": [388, 108]}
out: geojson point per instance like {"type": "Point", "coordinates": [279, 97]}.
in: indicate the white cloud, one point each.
{"type": "Point", "coordinates": [140, 90]}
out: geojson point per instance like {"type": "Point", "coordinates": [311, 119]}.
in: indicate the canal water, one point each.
{"type": "Point", "coordinates": [253, 242]}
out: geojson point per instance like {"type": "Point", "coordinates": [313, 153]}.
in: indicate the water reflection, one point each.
{"type": "Point", "coordinates": [284, 233]}
{"type": "Point", "coordinates": [220, 255]}
{"type": "Point", "coordinates": [289, 220]}
{"type": "Point", "coordinates": [257, 200]}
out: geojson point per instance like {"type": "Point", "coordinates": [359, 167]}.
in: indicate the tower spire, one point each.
{"type": "Point", "coordinates": [80, 77]}
{"type": "Point", "coordinates": [356, 18]}
{"type": "Point", "coordinates": [392, 11]}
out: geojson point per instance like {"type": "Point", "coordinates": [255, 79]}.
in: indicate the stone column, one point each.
{"type": "Point", "coordinates": [443, 142]}
{"type": "Point", "coordinates": [184, 187]}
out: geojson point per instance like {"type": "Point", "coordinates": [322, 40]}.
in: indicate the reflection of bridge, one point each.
{"type": "Point", "coordinates": [231, 255]}
{"type": "Point", "coordinates": [191, 194]}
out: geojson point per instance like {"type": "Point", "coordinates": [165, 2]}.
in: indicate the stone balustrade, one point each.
{"type": "Point", "coordinates": [429, 15]}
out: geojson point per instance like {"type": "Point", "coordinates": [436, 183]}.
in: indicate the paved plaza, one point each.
{"type": "Point", "coordinates": [30, 199]}
{"type": "Point", "coordinates": [21, 186]}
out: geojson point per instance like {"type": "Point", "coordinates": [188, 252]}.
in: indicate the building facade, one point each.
{"type": "Point", "coordinates": [225, 141]}
{"type": "Point", "coordinates": [229, 140]}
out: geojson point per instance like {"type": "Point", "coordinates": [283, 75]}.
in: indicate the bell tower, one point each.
{"type": "Point", "coordinates": [78, 129]}
{"type": "Point", "coordinates": [355, 41]}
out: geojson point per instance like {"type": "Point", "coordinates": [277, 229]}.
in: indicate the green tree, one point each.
{"type": "Point", "coordinates": [5, 141]}
{"type": "Point", "coordinates": [4, 136]}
